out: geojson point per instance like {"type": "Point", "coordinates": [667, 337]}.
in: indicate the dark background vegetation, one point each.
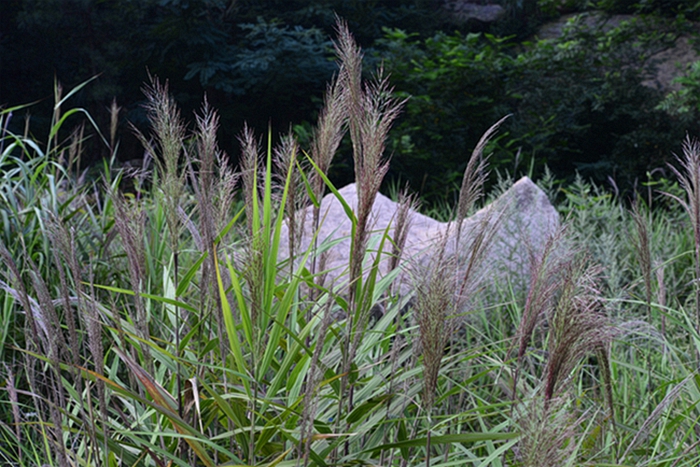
{"type": "Point", "coordinates": [577, 102]}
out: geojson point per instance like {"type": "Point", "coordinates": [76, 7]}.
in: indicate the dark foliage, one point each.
{"type": "Point", "coordinates": [265, 62]}
{"type": "Point", "coordinates": [688, 8]}
{"type": "Point", "coordinates": [578, 102]}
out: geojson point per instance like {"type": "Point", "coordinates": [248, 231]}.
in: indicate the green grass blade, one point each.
{"type": "Point", "coordinates": [232, 333]}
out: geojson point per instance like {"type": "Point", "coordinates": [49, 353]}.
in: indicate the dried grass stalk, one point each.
{"type": "Point", "coordinates": [436, 306]}
{"type": "Point", "coordinates": [545, 283]}
{"type": "Point", "coordinates": [475, 174]}
{"type": "Point", "coordinates": [129, 220]}
{"type": "Point", "coordinates": [402, 224]}
{"type": "Point", "coordinates": [372, 110]}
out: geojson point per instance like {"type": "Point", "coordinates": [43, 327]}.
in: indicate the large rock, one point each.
{"type": "Point", "coordinates": [519, 223]}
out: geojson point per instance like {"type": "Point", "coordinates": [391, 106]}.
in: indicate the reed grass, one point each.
{"type": "Point", "coordinates": [166, 328]}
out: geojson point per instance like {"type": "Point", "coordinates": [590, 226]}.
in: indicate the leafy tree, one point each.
{"type": "Point", "coordinates": [576, 101]}
{"type": "Point", "coordinates": [273, 71]}
{"type": "Point", "coordinates": [685, 101]}
{"type": "Point", "coordinates": [71, 41]}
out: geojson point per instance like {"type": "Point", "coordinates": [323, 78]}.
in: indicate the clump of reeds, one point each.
{"type": "Point", "coordinates": [473, 246]}
{"type": "Point", "coordinates": [166, 148]}
{"type": "Point", "coordinates": [545, 283]}
{"type": "Point", "coordinates": [129, 221]}
{"type": "Point", "coordinates": [328, 134]}
{"type": "Point", "coordinates": [436, 307]}
{"type": "Point", "coordinates": [311, 399]}
{"type": "Point", "coordinates": [371, 110]}
{"type": "Point", "coordinates": [287, 164]}
{"type": "Point", "coordinates": [450, 279]}
{"type": "Point", "coordinates": [214, 185]}
{"type": "Point", "coordinates": [253, 261]}
{"type": "Point", "coordinates": [563, 293]}
{"type": "Point", "coordinates": [168, 133]}
{"type": "Point", "coordinates": [46, 338]}
{"type": "Point", "coordinates": [278, 386]}
{"type": "Point", "coordinates": [579, 326]}
{"type": "Point", "coordinates": [74, 296]}
{"type": "Point", "coordinates": [689, 177]}
{"type": "Point", "coordinates": [642, 246]}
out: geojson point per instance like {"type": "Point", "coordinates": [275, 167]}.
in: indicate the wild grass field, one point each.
{"type": "Point", "coordinates": [159, 325]}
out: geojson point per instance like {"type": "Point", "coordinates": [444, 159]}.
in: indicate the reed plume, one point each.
{"type": "Point", "coordinates": [285, 157]}
{"type": "Point", "coordinates": [372, 109]}
{"type": "Point", "coordinates": [579, 325]}
{"type": "Point", "coordinates": [689, 178]}
{"type": "Point", "coordinates": [214, 186]}
{"type": "Point", "coordinates": [129, 221]}
{"type": "Point", "coordinates": [547, 431]}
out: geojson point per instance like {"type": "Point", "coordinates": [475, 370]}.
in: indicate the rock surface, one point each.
{"type": "Point", "coordinates": [672, 63]}
{"type": "Point", "coordinates": [519, 223]}
{"type": "Point", "coordinates": [463, 11]}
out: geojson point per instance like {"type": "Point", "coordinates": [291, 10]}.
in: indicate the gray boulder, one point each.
{"type": "Point", "coordinates": [516, 225]}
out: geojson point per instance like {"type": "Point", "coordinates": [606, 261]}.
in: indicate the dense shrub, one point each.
{"type": "Point", "coordinates": [576, 102]}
